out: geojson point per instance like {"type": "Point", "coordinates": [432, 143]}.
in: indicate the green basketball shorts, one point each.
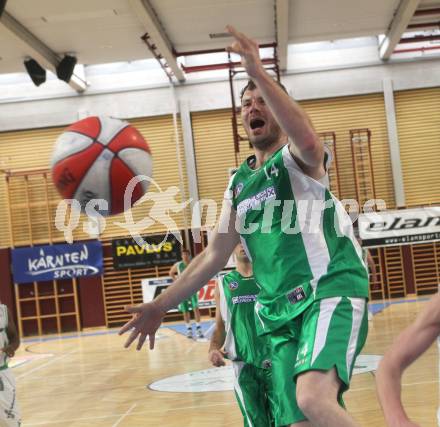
{"type": "Point", "coordinates": [329, 334]}
{"type": "Point", "coordinates": [254, 394]}
{"type": "Point", "coordinates": [189, 304]}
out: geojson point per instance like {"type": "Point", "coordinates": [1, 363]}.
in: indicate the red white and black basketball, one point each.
{"type": "Point", "coordinates": [95, 158]}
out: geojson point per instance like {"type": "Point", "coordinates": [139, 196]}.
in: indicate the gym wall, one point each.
{"type": "Point", "coordinates": [214, 150]}
{"type": "Point", "coordinates": [418, 125]}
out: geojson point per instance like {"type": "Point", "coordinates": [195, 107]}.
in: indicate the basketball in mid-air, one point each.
{"type": "Point", "coordinates": [95, 158]}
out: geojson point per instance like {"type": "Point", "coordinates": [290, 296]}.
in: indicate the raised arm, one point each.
{"type": "Point", "coordinates": [216, 355]}
{"type": "Point", "coordinates": [304, 142]}
{"type": "Point", "coordinates": [148, 317]}
{"type": "Point", "coordinates": [408, 346]}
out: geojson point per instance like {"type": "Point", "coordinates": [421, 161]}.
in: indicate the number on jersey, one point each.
{"type": "Point", "coordinates": [273, 171]}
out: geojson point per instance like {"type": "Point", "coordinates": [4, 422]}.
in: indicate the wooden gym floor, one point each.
{"type": "Point", "coordinates": [89, 380]}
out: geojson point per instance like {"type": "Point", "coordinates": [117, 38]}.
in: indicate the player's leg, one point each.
{"type": "Point", "coordinates": [249, 390]}
{"type": "Point", "coordinates": [197, 314]}
{"type": "Point", "coordinates": [9, 411]}
{"type": "Point", "coordinates": [184, 309]}
{"type": "Point", "coordinates": [326, 412]}
{"type": "Point", "coordinates": [187, 318]}
{"type": "Point", "coordinates": [271, 404]}
{"type": "Point", "coordinates": [333, 332]}
{"type": "Point", "coordinates": [199, 331]}
{"type": "Point", "coordinates": [284, 343]}
{"type": "Point", "coordinates": [195, 306]}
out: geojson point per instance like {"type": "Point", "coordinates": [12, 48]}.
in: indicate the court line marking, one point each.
{"type": "Point", "coordinates": [403, 385]}
{"type": "Point", "coordinates": [24, 374]}
{"type": "Point", "coordinates": [112, 331]}
{"type": "Point", "coordinates": [124, 415]}
{"type": "Point", "coordinates": [210, 329]}
{"type": "Point", "coordinates": [190, 348]}
{"type": "Point", "coordinates": [139, 412]}
{"type": "Point", "coordinates": [86, 373]}
{"type": "Point", "coordinates": [378, 307]}
{"type": "Point", "coordinates": [66, 337]}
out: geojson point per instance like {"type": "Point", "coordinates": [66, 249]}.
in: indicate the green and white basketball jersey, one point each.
{"type": "Point", "coordinates": [298, 236]}
{"type": "Point", "coordinates": [180, 267]}
{"type": "Point", "coordinates": [3, 336]}
{"type": "Point", "coordinates": [237, 307]}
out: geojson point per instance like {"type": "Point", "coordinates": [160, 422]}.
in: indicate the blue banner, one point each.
{"type": "Point", "coordinates": [56, 262]}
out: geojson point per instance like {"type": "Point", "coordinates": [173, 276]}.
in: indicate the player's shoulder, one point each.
{"type": "Point", "coordinates": [246, 168]}
{"type": "Point", "coordinates": [240, 175]}
{"type": "Point", "coordinates": [228, 275]}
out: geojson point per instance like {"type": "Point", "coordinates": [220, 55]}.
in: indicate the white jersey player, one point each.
{"type": "Point", "coordinates": [9, 342]}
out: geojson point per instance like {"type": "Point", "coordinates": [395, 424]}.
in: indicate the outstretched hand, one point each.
{"type": "Point", "coordinates": [145, 322]}
{"type": "Point", "coordinates": [247, 49]}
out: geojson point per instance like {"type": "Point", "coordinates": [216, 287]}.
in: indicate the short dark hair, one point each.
{"type": "Point", "coordinates": [186, 251]}
{"type": "Point", "coordinates": [250, 85]}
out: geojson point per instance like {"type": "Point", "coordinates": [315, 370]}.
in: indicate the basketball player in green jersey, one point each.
{"type": "Point", "coordinates": [314, 284]}
{"type": "Point", "coordinates": [235, 332]}
{"type": "Point", "coordinates": [191, 303]}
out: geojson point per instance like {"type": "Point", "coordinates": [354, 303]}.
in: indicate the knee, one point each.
{"type": "Point", "coordinates": [313, 394]}
{"type": "Point", "coordinates": [306, 397]}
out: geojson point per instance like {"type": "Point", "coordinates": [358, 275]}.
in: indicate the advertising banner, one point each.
{"type": "Point", "coordinates": [151, 288]}
{"type": "Point", "coordinates": [158, 250]}
{"type": "Point", "coordinates": [400, 227]}
{"type": "Point", "coordinates": [55, 262]}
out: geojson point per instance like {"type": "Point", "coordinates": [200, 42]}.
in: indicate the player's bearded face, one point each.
{"type": "Point", "coordinates": [260, 125]}
{"type": "Point", "coordinates": [240, 254]}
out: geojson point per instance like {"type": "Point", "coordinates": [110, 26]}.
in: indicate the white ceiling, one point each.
{"type": "Point", "coordinates": [328, 20]}
{"type": "Point", "coordinates": [98, 31]}
{"type": "Point", "coordinates": [104, 31]}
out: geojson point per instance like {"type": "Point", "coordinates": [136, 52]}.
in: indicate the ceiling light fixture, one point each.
{"type": "Point", "coordinates": [2, 6]}
{"type": "Point", "coordinates": [65, 68]}
{"type": "Point", "coordinates": [36, 72]}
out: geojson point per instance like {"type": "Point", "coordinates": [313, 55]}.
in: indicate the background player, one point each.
{"type": "Point", "coordinates": [191, 303]}
{"type": "Point", "coordinates": [407, 347]}
{"type": "Point", "coordinates": [9, 342]}
{"type": "Point", "coordinates": [235, 297]}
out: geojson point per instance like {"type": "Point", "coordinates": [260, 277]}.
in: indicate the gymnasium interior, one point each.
{"type": "Point", "coordinates": [368, 75]}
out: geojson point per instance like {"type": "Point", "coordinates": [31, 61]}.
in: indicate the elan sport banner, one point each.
{"type": "Point", "coordinates": [400, 227]}
{"type": "Point", "coordinates": [52, 262]}
{"type": "Point", "coordinates": [158, 250]}
{"type": "Point", "coordinates": [151, 288]}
